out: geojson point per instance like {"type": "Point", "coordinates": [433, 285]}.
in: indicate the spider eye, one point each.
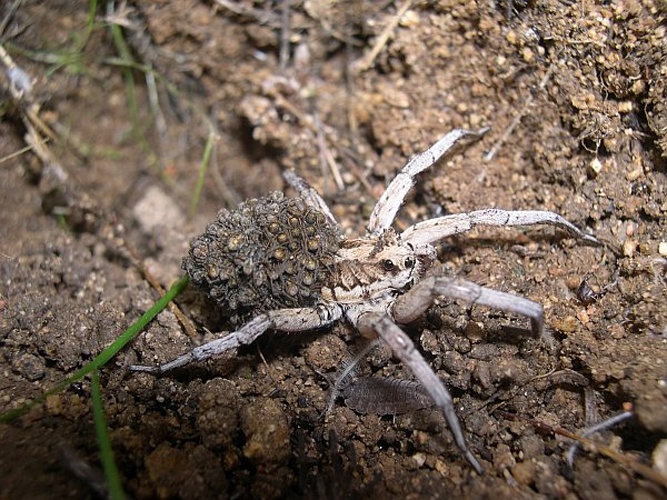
{"type": "Point", "coordinates": [409, 263]}
{"type": "Point", "coordinates": [388, 265]}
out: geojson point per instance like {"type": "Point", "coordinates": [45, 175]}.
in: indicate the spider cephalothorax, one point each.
{"type": "Point", "coordinates": [374, 267]}
{"type": "Point", "coordinates": [283, 263]}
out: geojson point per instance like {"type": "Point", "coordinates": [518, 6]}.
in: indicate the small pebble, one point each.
{"type": "Point", "coordinates": [524, 472]}
{"type": "Point", "coordinates": [659, 457]}
{"type": "Point", "coordinates": [662, 248]}
{"type": "Point", "coordinates": [30, 366]}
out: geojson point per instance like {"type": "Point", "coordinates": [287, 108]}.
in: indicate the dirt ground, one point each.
{"type": "Point", "coordinates": [574, 93]}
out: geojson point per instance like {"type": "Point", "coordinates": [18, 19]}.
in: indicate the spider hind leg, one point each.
{"type": "Point", "coordinates": [404, 349]}
{"type": "Point", "coordinates": [287, 320]}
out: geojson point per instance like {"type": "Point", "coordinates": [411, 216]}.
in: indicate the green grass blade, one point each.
{"type": "Point", "coordinates": [104, 442]}
{"type": "Point", "coordinates": [126, 69]}
{"type": "Point", "coordinates": [203, 167]}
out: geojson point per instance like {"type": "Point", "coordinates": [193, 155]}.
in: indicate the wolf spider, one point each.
{"type": "Point", "coordinates": [282, 264]}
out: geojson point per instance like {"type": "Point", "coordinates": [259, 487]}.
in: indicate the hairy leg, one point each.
{"type": "Point", "coordinates": [411, 305]}
{"type": "Point", "coordinates": [342, 379]}
{"type": "Point", "coordinates": [404, 349]}
{"type": "Point", "coordinates": [308, 193]}
{"type": "Point", "coordinates": [432, 230]}
{"type": "Point", "coordinates": [287, 320]}
{"type": "Point", "coordinates": [391, 200]}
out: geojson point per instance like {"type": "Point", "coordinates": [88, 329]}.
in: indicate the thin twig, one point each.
{"type": "Point", "coordinates": [517, 119]}
{"type": "Point", "coordinates": [639, 468]}
{"type": "Point", "coordinates": [261, 16]}
{"type": "Point", "coordinates": [600, 426]}
{"type": "Point", "coordinates": [284, 35]}
{"type": "Point", "coordinates": [10, 14]}
{"type": "Point", "coordinates": [315, 125]}
{"type": "Point", "coordinates": [82, 470]}
{"type": "Point", "coordinates": [326, 156]}
{"type": "Point", "coordinates": [367, 61]}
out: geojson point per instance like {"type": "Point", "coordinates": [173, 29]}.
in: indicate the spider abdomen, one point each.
{"type": "Point", "coordinates": [269, 253]}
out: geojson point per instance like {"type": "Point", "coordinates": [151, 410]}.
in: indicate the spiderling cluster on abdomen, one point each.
{"type": "Point", "coordinates": [269, 253]}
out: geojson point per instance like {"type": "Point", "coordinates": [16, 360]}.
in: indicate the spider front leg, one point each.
{"type": "Point", "coordinates": [432, 230]}
{"type": "Point", "coordinates": [287, 320]}
{"type": "Point", "coordinates": [386, 208]}
{"type": "Point", "coordinates": [308, 193]}
{"type": "Point", "coordinates": [413, 304]}
{"type": "Point", "coordinates": [404, 349]}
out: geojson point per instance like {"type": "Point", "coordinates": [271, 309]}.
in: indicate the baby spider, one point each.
{"type": "Point", "coordinates": [277, 263]}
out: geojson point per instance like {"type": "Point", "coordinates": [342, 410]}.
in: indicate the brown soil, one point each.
{"type": "Point", "coordinates": [575, 95]}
